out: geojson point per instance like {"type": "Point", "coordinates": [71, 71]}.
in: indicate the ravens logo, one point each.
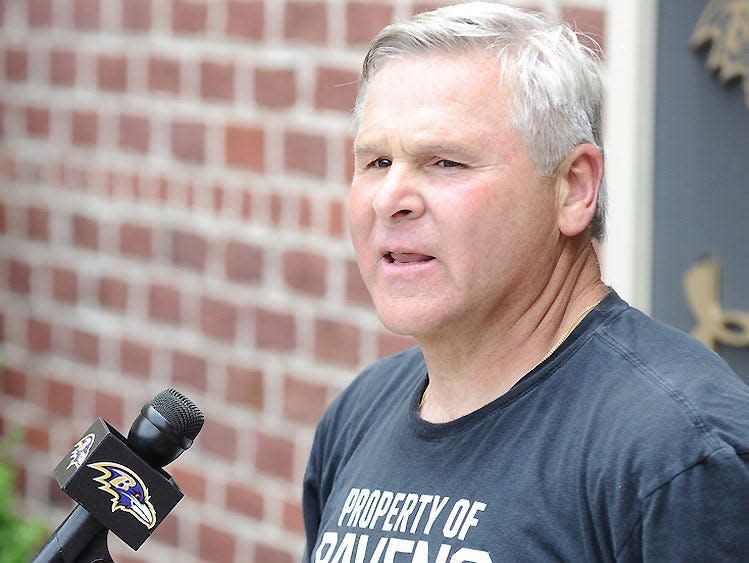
{"type": "Point", "coordinates": [129, 492]}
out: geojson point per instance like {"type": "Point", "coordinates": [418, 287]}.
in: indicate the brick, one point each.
{"type": "Point", "coordinates": [348, 159]}
{"type": "Point", "coordinates": [135, 358]}
{"type": "Point", "coordinates": [85, 232]}
{"type": "Point", "coordinates": [244, 262]}
{"type": "Point", "coordinates": [113, 294]}
{"type": "Point", "coordinates": [246, 204]}
{"type": "Point", "coordinates": [136, 15]}
{"type": "Point", "coordinates": [276, 207]}
{"type": "Point", "coordinates": [218, 319]}
{"type": "Point", "coordinates": [219, 440]}
{"type": "Point", "coordinates": [292, 517]}
{"type": "Point", "coordinates": [245, 387]}
{"type": "Point", "coordinates": [335, 89]}
{"type": "Point", "coordinates": [135, 133]}
{"type": "Point", "coordinates": [37, 122]}
{"type": "Point", "coordinates": [271, 554]}
{"type": "Point", "coordinates": [2, 210]}
{"type": "Point", "coordinates": [84, 128]}
{"type": "Point", "coordinates": [13, 382]}
{"type": "Point", "coordinates": [189, 16]}
{"type": "Point", "coordinates": [188, 141]}
{"type": "Point", "coordinates": [39, 13]}
{"type": "Point", "coordinates": [337, 219]}
{"type": "Point", "coordinates": [189, 250]}
{"type": "Point", "coordinates": [364, 20]}
{"type": "Point", "coordinates": [111, 407]}
{"type": "Point", "coordinates": [275, 331]}
{"type": "Point", "coordinates": [168, 530]}
{"type": "Point", "coordinates": [304, 401]}
{"type": "Point", "coordinates": [56, 498]}
{"type": "Point", "coordinates": [419, 7]}
{"type": "Point", "coordinates": [36, 438]}
{"type": "Point", "coordinates": [305, 272]}
{"type": "Point", "coordinates": [192, 483]}
{"type": "Point", "coordinates": [189, 370]}
{"type": "Point", "coordinates": [136, 241]}
{"type": "Point", "coordinates": [245, 147]}
{"type": "Point", "coordinates": [245, 19]}
{"type": "Point", "coordinates": [164, 304]}
{"type": "Point", "coordinates": [85, 347]}
{"type": "Point", "coordinates": [19, 277]}
{"type": "Point", "coordinates": [591, 22]}
{"type": "Point", "coordinates": [305, 153]}
{"type": "Point", "coordinates": [306, 22]}
{"type": "Point", "coordinates": [86, 15]}
{"type": "Point", "coordinates": [65, 285]}
{"type": "Point", "coordinates": [16, 65]}
{"type": "Point", "coordinates": [305, 212]}
{"type": "Point", "coordinates": [244, 499]}
{"type": "Point", "coordinates": [59, 398]}
{"type": "Point", "coordinates": [37, 223]}
{"type": "Point", "coordinates": [275, 88]}
{"type": "Point", "coordinates": [38, 336]}
{"type": "Point", "coordinates": [219, 198]}
{"type": "Point", "coordinates": [337, 342]}
{"type": "Point", "coordinates": [275, 456]}
{"type": "Point", "coordinates": [111, 73]}
{"type": "Point", "coordinates": [356, 291]}
{"type": "Point", "coordinates": [164, 75]}
{"type": "Point", "coordinates": [62, 68]}
{"type": "Point", "coordinates": [216, 545]}
{"type": "Point", "coordinates": [389, 344]}
{"type": "Point", "coordinates": [217, 81]}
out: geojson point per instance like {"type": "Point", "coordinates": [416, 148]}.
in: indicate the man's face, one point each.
{"type": "Point", "coordinates": [452, 224]}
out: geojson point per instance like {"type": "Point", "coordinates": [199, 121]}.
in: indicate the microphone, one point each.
{"type": "Point", "coordinates": [119, 483]}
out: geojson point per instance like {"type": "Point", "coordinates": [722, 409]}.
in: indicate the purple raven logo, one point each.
{"type": "Point", "coordinates": [129, 492]}
{"type": "Point", "coordinates": [80, 450]}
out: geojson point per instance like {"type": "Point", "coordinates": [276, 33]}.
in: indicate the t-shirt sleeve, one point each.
{"type": "Point", "coordinates": [701, 514]}
{"type": "Point", "coordinates": [311, 495]}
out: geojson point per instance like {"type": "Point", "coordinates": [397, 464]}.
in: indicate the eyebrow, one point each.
{"type": "Point", "coordinates": [433, 148]}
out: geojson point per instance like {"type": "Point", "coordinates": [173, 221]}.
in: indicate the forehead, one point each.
{"type": "Point", "coordinates": [435, 99]}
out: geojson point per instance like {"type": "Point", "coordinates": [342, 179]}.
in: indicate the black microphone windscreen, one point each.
{"type": "Point", "coordinates": [179, 411]}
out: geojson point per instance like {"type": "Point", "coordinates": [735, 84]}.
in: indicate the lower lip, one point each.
{"type": "Point", "coordinates": [407, 268]}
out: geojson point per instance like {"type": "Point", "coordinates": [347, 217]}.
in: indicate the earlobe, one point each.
{"type": "Point", "coordinates": [580, 174]}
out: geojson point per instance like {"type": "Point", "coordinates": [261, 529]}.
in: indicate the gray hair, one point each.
{"type": "Point", "coordinates": [557, 89]}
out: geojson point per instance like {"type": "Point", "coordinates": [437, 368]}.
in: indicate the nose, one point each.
{"type": "Point", "coordinates": [399, 196]}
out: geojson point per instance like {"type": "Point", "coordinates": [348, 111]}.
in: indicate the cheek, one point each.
{"type": "Point", "coordinates": [360, 217]}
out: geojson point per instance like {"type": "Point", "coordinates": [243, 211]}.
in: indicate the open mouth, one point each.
{"type": "Point", "coordinates": [406, 257]}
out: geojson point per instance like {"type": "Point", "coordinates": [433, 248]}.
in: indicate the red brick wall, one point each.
{"type": "Point", "coordinates": [172, 212]}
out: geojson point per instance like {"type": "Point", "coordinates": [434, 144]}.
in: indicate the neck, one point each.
{"type": "Point", "coordinates": [468, 370]}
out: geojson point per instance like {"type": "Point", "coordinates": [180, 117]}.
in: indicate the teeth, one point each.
{"type": "Point", "coordinates": [407, 258]}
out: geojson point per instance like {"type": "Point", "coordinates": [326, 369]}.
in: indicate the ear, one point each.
{"type": "Point", "coordinates": [579, 176]}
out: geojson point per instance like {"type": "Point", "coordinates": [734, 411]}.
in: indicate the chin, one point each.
{"type": "Point", "coordinates": [405, 321]}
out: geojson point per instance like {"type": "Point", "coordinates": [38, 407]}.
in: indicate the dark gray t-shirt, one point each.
{"type": "Point", "coordinates": [630, 443]}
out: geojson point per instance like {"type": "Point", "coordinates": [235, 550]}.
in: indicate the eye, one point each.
{"type": "Point", "coordinates": [444, 163]}
{"type": "Point", "coordinates": [381, 162]}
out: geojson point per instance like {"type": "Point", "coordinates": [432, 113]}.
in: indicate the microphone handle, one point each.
{"type": "Point", "coordinates": [75, 536]}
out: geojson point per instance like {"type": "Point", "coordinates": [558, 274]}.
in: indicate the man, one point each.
{"type": "Point", "coordinates": [540, 418]}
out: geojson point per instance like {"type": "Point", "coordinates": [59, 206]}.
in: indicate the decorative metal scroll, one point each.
{"type": "Point", "coordinates": [714, 325]}
{"type": "Point", "coordinates": [724, 24]}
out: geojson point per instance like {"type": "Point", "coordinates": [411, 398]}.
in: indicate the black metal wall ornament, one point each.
{"type": "Point", "coordinates": [723, 26]}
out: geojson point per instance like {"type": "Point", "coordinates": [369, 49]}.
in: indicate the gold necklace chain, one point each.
{"type": "Point", "coordinates": [553, 349]}
{"type": "Point", "coordinates": [567, 332]}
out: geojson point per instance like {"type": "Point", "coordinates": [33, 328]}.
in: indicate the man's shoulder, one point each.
{"type": "Point", "coordinates": [656, 393]}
